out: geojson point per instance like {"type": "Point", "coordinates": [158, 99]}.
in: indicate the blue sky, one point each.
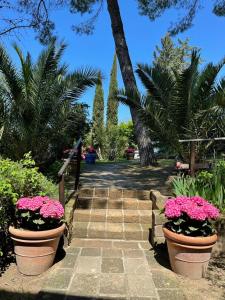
{"type": "Point", "coordinates": [142, 36]}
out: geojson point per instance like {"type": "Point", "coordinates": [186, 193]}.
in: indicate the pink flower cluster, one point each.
{"type": "Point", "coordinates": [52, 209]}
{"type": "Point", "coordinates": [48, 208]}
{"type": "Point", "coordinates": [195, 208]}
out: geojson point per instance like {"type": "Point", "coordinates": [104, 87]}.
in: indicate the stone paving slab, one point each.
{"type": "Point", "coordinates": [111, 270]}
{"type": "Point", "coordinates": [128, 175]}
{"type": "Point", "coordinates": [87, 273]}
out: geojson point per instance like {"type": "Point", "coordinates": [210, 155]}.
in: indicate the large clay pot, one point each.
{"type": "Point", "coordinates": [130, 156]}
{"type": "Point", "coordinates": [189, 256]}
{"type": "Point", "coordinates": [35, 250]}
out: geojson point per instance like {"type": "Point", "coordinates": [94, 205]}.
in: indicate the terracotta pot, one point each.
{"type": "Point", "coordinates": [189, 256]}
{"type": "Point", "coordinates": [130, 156]}
{"type": "Point", "coordinates": [35, 250]}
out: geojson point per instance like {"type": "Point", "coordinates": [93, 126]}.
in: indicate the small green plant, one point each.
{"type": "Point", "coordinates": [207, 184]}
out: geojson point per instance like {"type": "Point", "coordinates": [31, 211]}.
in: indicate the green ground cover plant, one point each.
{"type": "Point", "coordinates": [207, 184]}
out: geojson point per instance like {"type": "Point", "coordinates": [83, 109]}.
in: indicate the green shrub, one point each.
{"type": "Point", "coordinates": [207, 184]}
{"type": "Point", "coordinates": [18, 179]}
{"type": "Point", "coordinates": [25, 179]}
{"type": "Point", "coordinates": [7, 199]}
{"type": "Point", "coordinates": [52, 171]}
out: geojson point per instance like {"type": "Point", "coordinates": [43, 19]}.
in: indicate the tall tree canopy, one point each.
{"type": "Point", "coordinates": [112, 103]}
{"type": "Point", "coordinates": [36, 15]}
{"type": "Point", "coordinates": [155, 8]}
{"type": "Point", "coordinates": [98, 115]}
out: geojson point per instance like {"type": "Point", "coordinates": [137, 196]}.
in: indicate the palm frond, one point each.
{"type": "Point", "coordinates": [130, 99]}
{"type": "Point", "coordinates": [77, 82]}
{"type": "Point", "coordinates": [10, 73]}
{"type": "Point", "coordinates": [182, 102]}
{"type": "Point", "coordinates": [158, 83]}
{"type": "Point", "coordinates": [26, 76]}
{"type": "Point", "coordinates": [205, 85]}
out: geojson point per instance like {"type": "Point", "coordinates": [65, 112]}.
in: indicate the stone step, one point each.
{"type": "Point", "coordinates": [108, 203]}
{"type": "Point", "coordinates": [106, 230]}
{"type": "Point", "coordinates": [112, 244]}
{"type": "Point", "coordinates": [113, 215]}
{"type": "Point", "coordinates": [114, 193]}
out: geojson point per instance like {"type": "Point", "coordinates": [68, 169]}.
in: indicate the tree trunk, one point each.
{"type": "Point", "coordinates": [143, 139]}
{"type": "Point", "coordinates": [99, 153]}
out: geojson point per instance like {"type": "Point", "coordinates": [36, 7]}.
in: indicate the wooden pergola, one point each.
{"type": "Point", "coordinates": [193, 151]}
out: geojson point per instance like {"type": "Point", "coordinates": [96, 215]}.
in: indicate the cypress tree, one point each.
{"type": "Point", "coordinates": [112, 103]}
{"type": "Point", "coordinates": [98, 114]}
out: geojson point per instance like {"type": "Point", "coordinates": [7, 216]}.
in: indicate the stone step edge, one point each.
{"type": "Point", "coordinates": [94, 210]}
{"type": "Point", "coordinates": [122, 235]}
{"type": "Point", "coordinates": [114, 192]}
{"type": "Point", "coordinates": [109, 223]}
{"type": "Point", "coordinates": [104, 240]}
{"type": "Point", "coordinates": [106, 215]}
{"type": "Point", "coordinates": [109, 198]}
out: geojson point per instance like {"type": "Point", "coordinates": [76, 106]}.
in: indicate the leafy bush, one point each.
{"type": "Point", "coordinates": [18, 179]}
{"type": "Point", "coordinates": [25, 179]}
{"type": "Point", "coordinates": [52, 171]}
{"type": "Point", "coordinates": [207, 184]}
{"type": "Point", "coordinates": [117, 139]}
{"type": "Point", "coordinates": [7, 198]}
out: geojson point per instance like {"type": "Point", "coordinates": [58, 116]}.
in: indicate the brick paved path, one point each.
{"type": "Point", "coordinates": [110, 269]}
{"type": "Point", "coordinates": [126, 175]}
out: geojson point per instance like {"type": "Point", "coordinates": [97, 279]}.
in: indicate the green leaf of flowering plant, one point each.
{"type": "Point", "coordinates": [38, 221]}
{"type": "Point", "coordinates": [179, 221]}
{"type": "Point", "coordinates": [25, 214]}
{"type": "Point", "coordinates": [191, 228]}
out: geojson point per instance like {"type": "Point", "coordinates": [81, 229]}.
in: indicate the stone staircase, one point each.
{"type": "Point", "coordinates": [108, 213]}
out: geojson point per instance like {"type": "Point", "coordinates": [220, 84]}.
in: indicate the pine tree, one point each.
{"type": "Point", "coordinates": [98, 115]}
{"type": "Point", "coordinates": [173, 57]}
{"type": "Point", "coordinates": [112, 104]}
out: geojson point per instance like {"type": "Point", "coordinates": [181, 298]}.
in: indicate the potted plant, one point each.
{"type": "Point", "coordinates": [36, 233]}
{"type": "Point", "coordinates": [91, 155]}
{"type": "Point", "coordinates": [189, 234]}
{"type": "Point", "coordinates": [130, 153]}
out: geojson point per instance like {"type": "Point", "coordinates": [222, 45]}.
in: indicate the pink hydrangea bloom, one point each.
{"type": "Point", "coordinates": [48, 208]}
{"type": "Point", "coordinates": [22, 203]}
{"type": "Point", "coordinates": [180, 200]}
{"type": "Point", "coordinates": [52, 209]}
{"type": "Point", "coordinates": [196, 208]}
{"type": "Point", "coordinates": [197, 213]}
{"type": "Point", "coordinates": [172, 209]}
{"type": "Point", "coordinates": [187, 205]}
{"type": "Point", "coordinates": [199, 200]}
{"type": "Point", "coordinates": [32, 204]}
{"type": "Point", "coordinates": [211, 211]}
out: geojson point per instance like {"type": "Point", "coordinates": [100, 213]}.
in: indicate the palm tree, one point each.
{"type": "Point", "coordinates": [180, 106]}
{"type": "Point", "coordinates": [39, 109]}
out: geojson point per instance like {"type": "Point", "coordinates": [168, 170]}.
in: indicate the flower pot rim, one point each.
{"type": "Point", "coordinates": [36, 235]}
{"type": "Point", "coordinates": [190, 240]}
